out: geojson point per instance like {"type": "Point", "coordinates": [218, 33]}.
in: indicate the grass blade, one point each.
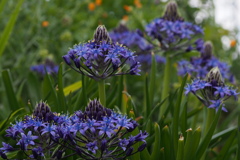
{"type": "Point", "coordinates": [8, 28]}
{"type": "Point", "coordinates": [206, 140]}
{"type": "Point", "coordinates": [11, 96]}
{"type": "Point", "coordinates": [227, 146]}
{"type": "Point", "coordinates": [155, 153]}
{"type": "Point", "coordinates": [152, 81]}
{"type": "Point", "coordinates": [176, 114]}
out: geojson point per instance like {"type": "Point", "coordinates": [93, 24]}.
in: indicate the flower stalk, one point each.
{"type": "Point", "coordinates": [101, 92]}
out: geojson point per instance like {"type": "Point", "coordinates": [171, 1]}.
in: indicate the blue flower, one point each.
{"type": "Point", "coordinates": [212, 92]}
{"type": "Point", "coordinates": [200, 66]}
{"type": "Point", "coordinates": [87, 133]}
{"type": "Point", "coordinates": [100, 58]}
{"type": "Point", "coordinates": [47, 68]}
{"type": "Point", "coordinates": [27, 140]}
{"type": "Point", "coordinates": [92, 146]}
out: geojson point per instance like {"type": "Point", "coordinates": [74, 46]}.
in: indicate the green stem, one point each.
{"type": "Point", "coordinates": [210, 116]}
{"type": "Point", "coordinates": [166, 83]}
{"type": "Point", "coordinates": [101, 91]}
{"type": "Point", "coordinates": [209, 119]}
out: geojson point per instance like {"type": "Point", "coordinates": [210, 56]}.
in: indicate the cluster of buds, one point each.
{"type": "Point", "coordinates": [100, 58]}
{"type": "Point", "coordinates": [96, 133]}
{"type": "Point", "coordinates": [174, 33]}
{"type": "Point", "coordinates": [212, 91]}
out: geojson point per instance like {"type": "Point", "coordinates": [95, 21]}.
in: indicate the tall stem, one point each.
{"type": "Point", "coordinates": [166, 83]}
{"type": "Point", "coordinates": [101, 92]}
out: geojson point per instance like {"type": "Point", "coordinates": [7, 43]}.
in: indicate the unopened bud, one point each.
{"type": "Point", "coordinates": [214, 77]}
{"type": "Point", "coordinates": [101, 34]}
{"type": "Point", "coordinates": [42, 111]}
{"type": "Point", "coordinates": [207, 52]}
{"type": "Point", "coordinates": [171, 13]}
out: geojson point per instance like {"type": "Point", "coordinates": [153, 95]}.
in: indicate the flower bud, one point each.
{"type": "Point", "coordinates": [101, 34]}
{"type": "Point", "coordinates": [214, 77]}
{"type": "Point", "coordinates": [207, 52]}
{"type": "Point", "coordinates": [43, 112]}
{"type": "Point", "coordinates": [129, 151]}
{"type": "Point", "coordinates": [96, 111]}
{"type": "Point", "coordinates": [171, 13]}
{"type": "Point", "coordinates": [142, 147]}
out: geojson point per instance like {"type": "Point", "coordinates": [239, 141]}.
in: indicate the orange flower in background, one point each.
{"type": "Point", "coordinates": [233, 43]}
{"type": "Point", "coordinates": [138, 4]}
{"type": "Point", "coordinates": [127, 8]}
{"type": "Point", "coordinates": [98, 2]}
{"type": "Point", "coordinates": [125, 18]}
{"type": "Point", "coordinates": [45, 23]}
{"type": "Point", "coordinates": [91, 6]}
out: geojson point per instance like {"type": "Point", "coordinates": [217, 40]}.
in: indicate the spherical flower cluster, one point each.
{"type": "Point", "coordinates": [48, 67]}
{"type": "Point", "coordinates": [199, 66]}
{"type": "Point", "coordinates": [212, 91]}
{"type": "Point", "coordinates": [100, 58]}
{"type": "Point", "coordinates": [132, 39]}
{"type": "Point", "coordinates": [135, 41]}
{"type": "Point", "coordinates": [96, 133]}
{"type": "Point", "coordinates": [173, 32]}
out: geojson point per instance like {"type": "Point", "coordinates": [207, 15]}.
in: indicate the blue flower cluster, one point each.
{"type": "Point", "coordinates": [212, 92]}
{"type": "Point", "coordinates": [199, 66]}
{"type": "Point", "coordinates": [96, 133]}
{"type": "Point", "coordinates": [135, 41]}
{"type": "Point", "coordinates": [129, 38]}
{"type": "Point", "coordinates": [174, 33]}
{"type": "Point", "coordinates": [100, 58]}
{"type": "Point", "coordinates": [48, 67]}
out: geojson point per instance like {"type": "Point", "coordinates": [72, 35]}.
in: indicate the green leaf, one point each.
{"type": "Point", "coordinates": [8, 28]}
{"type": "Point", "coordinates": [60, 93]}
{"type": "Point", "coordinates": [221, 135]}
{"type": "Point", "coordinates": [206, 140]}
{"type": "Point", "coordinates": [2, 5]}
{"type": "Point", "coordinates": [180, 151]}
{"type": "Point", "coordinates": [73, 87]}
{"type": "Point", "coordinates": [146, 97]}
{"type": "Point", "coordinates": [152, 85]}
{"type": "Point", "coordinates": [11, 96]}
{"type": "Point", "coordinates": [188, 144]}
{"type": "Point", "coordinates": [166, 142]}
{"type": "Point", "coordinates": [155, 153]}
{"type": "Point", "coordinates": [6, 122]}
{"type": "Point", "coordinates": [154, 110]}
{"type": "Point", "coordinates": [50, 94]}
{"type": "Point", "coordinates": [135, 146]}
{"type": "Point", "coordinates": [176, 113]}
{"type": "Point", "coordinates": [227, 146]}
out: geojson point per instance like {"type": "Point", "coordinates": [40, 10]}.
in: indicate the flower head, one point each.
{"type": "Point", "coordinates": [47, 68]}
{"type": "Point", "coordinates": [200, 66]}
{"type": "Point", "coordinates": [95, 133]}
{"type": "Point", "coordinates": [173, 32]}
{"type": "Point", "coordinates": [100, 58]}
{"type": "Point", "coordinates": [212, 91]}
{"type": "Point", "coordinates": [135, 41]}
